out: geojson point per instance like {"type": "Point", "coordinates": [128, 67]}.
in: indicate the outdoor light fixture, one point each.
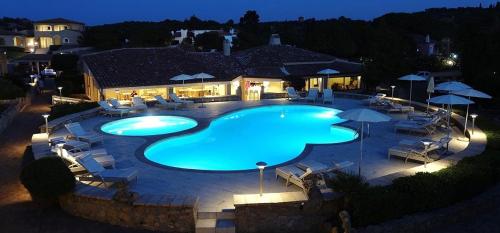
{"type": "Point", "coordinates": [392, 91]}
{"type": "Point", "coordinates": [473, 116]}
{"type": "Point", "coordinates": [60, 92]}
{"type": "Point", "coordinates": [261, 166]}
{"type": "Point", "coordinates": [46, 116]}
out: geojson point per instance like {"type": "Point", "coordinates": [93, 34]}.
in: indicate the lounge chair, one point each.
{"type": "Point", "coordinates": [317, 167]}
{"type": "Point", "coordinates": [440, 113]}
{"type": "Point", "coordinates": [294, 175]}
{"type": "Point", "coordinates": [292, 94]}
{"type": "Point", "coordinates": [98, 172]}
{"type": "Point", "coordinates": [138, 104]}
{"type": "Point", "coordinates": [374, 99]}
{"type": "Point", "coordinates": [176, 99]}
{"type": "Point", "coordinates": [116, 104]}
{"type": "Point", "coordinates": [162, 103]}
{"type": "Point", "coordinates": [327, 96]}
{"type": "Point", "coordinates": [77, 132]}
{"type": "Point", "coordinates": [100, 155]}
{"type": "Point", "coordinates": [110, 111]}
{"type": "Point", "coordinates": [415, 127]}
{"type": "Point", "coordinates": [312, 95]}
{"type": "Point", "coordinates": [394, 107]}
{"type": "Point", "coordinates": [418, 151]}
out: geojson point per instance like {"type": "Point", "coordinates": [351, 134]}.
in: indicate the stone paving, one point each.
{"type": "Point", "coordinates": [216, 189]}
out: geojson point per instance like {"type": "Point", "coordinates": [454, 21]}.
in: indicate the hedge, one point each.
{"type": "Point", "coordinates": [422, 191]}
{"type": "Point", "coordinates": [9, 90]}
{"type": "Point", "coordinates": [60, 110]}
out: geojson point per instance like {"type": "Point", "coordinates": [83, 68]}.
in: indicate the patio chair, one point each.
{"type": "Point", "coordinates": [107, 110]}
{"type": "Point", "coordinates": [374, 99]}
{"type": "Point", "coordinates": [292, 94]}
{"type": "Point", "coordinates": [327, 96]}
{"type": "Point", "coordinates": [176, 99]}
{"type": "Point", "coordinates": [77, 132]}
{"type": "Point", "coordinates": [98, 172]}
{"type": "Point", "coordinates": [138, 104]}
{"type": "Point", "coordinates": [312, 95]}
{"type": "Point", "coordinates": [427, 127]}
{"type": "Point", "coordinates": [394, 107]}
{"type": "Point", "coordinates": [162, 103]}
{"type": "Point", "coordinates": [100, 155]}
{"type": "Point", "coordinates": [116, 104]}
{"type": "Point", "coordinates": [317, 167]}
{"type": "Point", "coordinates": [294, 175]}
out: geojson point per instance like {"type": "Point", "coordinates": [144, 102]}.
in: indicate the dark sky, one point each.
{"type": "Point", "coordinates": [94, 12]}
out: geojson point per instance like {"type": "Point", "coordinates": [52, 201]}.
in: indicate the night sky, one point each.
{"type": "Point", "coordinates": [94, 12]}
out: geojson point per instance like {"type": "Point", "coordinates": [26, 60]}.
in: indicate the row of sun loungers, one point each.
{"type": "Point", "coordinates": [418, 151]}
{"type": "Point", "coordinates": [312, 95]}
{"type": "Point", "coordinates": [297, 173]}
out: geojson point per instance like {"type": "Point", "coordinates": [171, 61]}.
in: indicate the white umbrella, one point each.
{"type": "Point", "coordinates": [452, 86]}
{"type": "Point", "coordinates": [182, 77]}
{"type": "Point", "coordinates": [363, 115]}
{"type": "Point", "coordinates": [202, 76]}
{"type": "Point", "coordinates": [450, 100]}
{"type": "Point", "coordinates": [411, 78]}
{"type": "Point", "coordinates": [471, 93]}
{"type": "Point", "coordinates": [430, 90]}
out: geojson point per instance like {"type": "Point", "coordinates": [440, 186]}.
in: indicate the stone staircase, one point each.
{"type": "Point", "coordinates": [215, 222]}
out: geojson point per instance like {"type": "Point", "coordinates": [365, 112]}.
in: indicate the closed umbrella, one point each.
{"type": "Point", "coordinates": [430, 90]}
{"type": "Point", "coordinates": [182, 77]}
{"type": "Point", "coordinates": [202, 76]}
{"type": "Point", "coordinates": [363, 115]}
{"type": "Point", "coordinates": [471, 93]}
{"type": "Point", "coordinates": [411, 78]}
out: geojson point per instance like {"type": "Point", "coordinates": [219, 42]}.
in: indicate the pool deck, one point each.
{"type": "Point", "coordinates": [216, 190]}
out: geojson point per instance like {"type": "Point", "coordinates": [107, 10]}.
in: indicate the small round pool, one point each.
{"type": "Point", "coordinates": [148, 125]}
{"type": "Point", "coordinates": [236, 141]}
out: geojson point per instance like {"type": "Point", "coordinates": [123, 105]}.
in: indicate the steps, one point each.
{"type": "Point", "coordinates": [215, 222]}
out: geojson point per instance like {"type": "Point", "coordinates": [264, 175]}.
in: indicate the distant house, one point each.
{"type": "Point", "coordinates": [250, 74]}
{"type": "Point", "coordinates": [57, 31]}
{"type": "Point", "coordinates": [425, 45]}
{"type": "Point", "coordinates": [180, 35]}
{"type": "Point", "coordinates": [21, 39]}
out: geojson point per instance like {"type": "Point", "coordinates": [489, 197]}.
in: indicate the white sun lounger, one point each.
{"type": "Point", "coordinates": [98, 172]}
{"type": "Point", "coordinates": [394, 107]}
{"type": "Point", "coordinates": [176, 99]}
{"type": "Point", "coordinates": [110, 111]}
{"type": "Point", "coordinates": [294, 175]}
{"type": "Point", "coordinates": [327, 96]}
{"type": "Point", "coordinates": [100, 155]}
{"type": "Point", "coordinates": [116, 104]}
{"type": "Point", "coordinates": [312, 95]}
{"type": "Point", "coordinates": [76, 131]}
{"type": "Point", "coordinates": [138, 104]}
{"type": "Point", "coordinates": [317, 167]}
{"type": "Point", "coordinates": [292, 94]}
{"type": "Point", "coordinates": [165, 104]}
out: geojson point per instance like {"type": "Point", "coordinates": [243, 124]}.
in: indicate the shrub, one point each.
{"type": "Point", "coordinates": [60, 110]}
{"type": "Point", "coordinates": [8, 90]}
{"type": "Point", "coordinates": [47, 178]}
{"type": "Point", "coordinates": [72, 83]}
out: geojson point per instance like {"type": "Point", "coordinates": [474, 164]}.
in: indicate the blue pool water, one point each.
{"type": "Point", "coordinates": [148, 125]}
{"type": "Point", "coordinates": [236, 141]}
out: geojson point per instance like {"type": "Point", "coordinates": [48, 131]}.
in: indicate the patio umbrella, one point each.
{"type": "Point", "coordinates": [202, 76]}
{"type": "Point", "coordinates": [430, 90]}
{"type": "Point", "coordinates": [363, 115]}
{"type": "Point", "coordinates": [471, 93]}
{"type": "Point", "coordinates": [411, 78]}
{"type": "Point", "coordinates": [182, 77]}
{"type": "Point", "coordinates": [452, 86]}
{"type": "Point", "coordinates": [450, 100]}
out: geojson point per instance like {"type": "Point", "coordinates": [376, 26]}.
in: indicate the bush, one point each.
{"type": "Point", "coordinates": [8, 90]}
{"type": "Point", "coordinates": [47, 178]}
{"type": "Point", "coordinates": [72, 83]}
{"type": "Point", "coordinates": [60, 110]}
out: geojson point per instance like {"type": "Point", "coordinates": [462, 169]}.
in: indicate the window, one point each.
{"type": "Point", "coordinates": [49, 28]}
{"type": "Point", "coordinates": [66, 40]}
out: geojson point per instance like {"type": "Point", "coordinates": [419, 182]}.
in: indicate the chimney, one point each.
{"type": "Point", "coordinates": [226, 47]}
{"type": "Point", "coordinates": [275, 39]}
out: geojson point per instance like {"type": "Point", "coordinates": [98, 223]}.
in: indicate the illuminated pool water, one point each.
{"type": "Point", "coordinates": [236, 141]}
{"type": "Point", "coordinates": [148, 125]}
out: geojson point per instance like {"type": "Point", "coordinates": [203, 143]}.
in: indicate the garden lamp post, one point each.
{"type": "Point", "coordinates": [46, 116]}
{"type": "Point", "coordinates": [60, 92]}
{"type": "Point", "coordinates": [261, 166]}
{"type": "Point", "coordinates": [392, 91]}
{"type": "Point", "coordinates": [473, 116]}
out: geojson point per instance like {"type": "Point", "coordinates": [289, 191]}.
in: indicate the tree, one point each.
{"type": "Point", "coordinates": [251, 33]}
{"type": "Point", "coordinates": [208, 41]}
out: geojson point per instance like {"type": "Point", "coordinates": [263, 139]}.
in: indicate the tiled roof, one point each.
{"type": "Point", "coordinates": [59, 20]}
{"type": "Point", "coordinates": [155, 66]}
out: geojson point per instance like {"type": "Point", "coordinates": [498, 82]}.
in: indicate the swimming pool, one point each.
{"type": "Point", "coordinates": [148, 125]}
{"type": "Point", "coordinates": [236, 141]}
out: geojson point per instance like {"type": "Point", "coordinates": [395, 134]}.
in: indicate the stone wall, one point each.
{"type": "Point", "coordinates": [152, 212]}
